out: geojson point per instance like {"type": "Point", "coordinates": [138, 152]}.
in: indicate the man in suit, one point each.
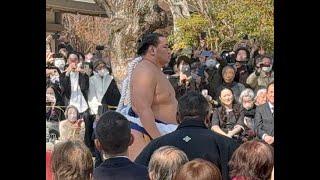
{"type": "Point", "coordinates": [264, 117]}
{"type": "Point", "coordinates": [74, 89]}
{"type": "Point", "coordinates": [193, 135]}
{"type": "Point", "coordinates": [113, 139]}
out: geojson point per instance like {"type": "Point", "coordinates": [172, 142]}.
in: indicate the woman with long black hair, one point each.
{"type": "Point", "coordinates": [227, 120]}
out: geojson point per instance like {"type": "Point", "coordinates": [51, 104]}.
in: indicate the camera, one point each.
{"type": "Point", "coordinates": [186, 70]}
{"type": "Point", "coordinates": [229, 57]}
{"type": "Point", "coordinates": [99, 47]}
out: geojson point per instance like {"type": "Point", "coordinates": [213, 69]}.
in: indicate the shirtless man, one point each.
{"type": "Point", "coordinates": [152, 96]}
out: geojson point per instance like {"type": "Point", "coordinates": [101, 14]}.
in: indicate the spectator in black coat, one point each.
{"type": "Point", "coordinates": [227, 120]}
{"type": "Point", "coordinates": [246, 99]}
{"type": "Point", "coordinates": [193, 135]}
{"type": "Point", "coordinates": [114, 138]}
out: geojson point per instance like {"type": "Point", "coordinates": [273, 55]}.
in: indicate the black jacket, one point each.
{"type": "Point", "coordinates": [112, 95]}
{"type": "Point", "coordinates": [197, 141]}
{"type": "Point", "coordinates": [65, 84]}
{"type": "Point", "coordinates": [242, 75]}
{"type": "Point", "coordinates": [215, 80]}
{"type": "Point", "coordinates": [120, 168]}
{"type": "Point", "coordinates": [227, 122]}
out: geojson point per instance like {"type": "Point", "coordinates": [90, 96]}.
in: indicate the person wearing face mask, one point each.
{"type": "Point", "coordinates": [73, 127]}
{"type": "Point", "coordinates": [227, 120]}
{"type": "Point", "coordinates": [54, 114]}
{"type": "Point", "coordinates": [60, 63]}
{"type": "Point", "coordinates": [103, 90]}
{"type": "Point", "coordinates": [74, 89]}
{"type": "Point", "coordinates": [53, 100]}
{"type": "Point", "coordinates": [263, 74]}
{"type": "Point", "coordinates": [243, 70]}
{"type": "Point", "coordinates": [246, 99]}
{"type": "Point", "coordinates": [52, 76]}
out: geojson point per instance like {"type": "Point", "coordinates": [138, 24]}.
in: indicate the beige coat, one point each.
{"type": "Point", "coordinates": [71, 131]}
{"type": "Point", "coordinates": [255, 81]}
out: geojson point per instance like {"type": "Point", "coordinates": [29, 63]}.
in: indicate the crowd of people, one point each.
{"type": "Point", "coordinates": [197, 115]}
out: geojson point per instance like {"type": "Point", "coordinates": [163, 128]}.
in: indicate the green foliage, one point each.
{"type": "Point", "coordinates": [227, 21]}
{"type": "Point", "coordinates": [188, 31]}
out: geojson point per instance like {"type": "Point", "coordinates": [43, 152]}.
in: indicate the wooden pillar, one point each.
{"type": "Point", "coordinates": [57, 20]}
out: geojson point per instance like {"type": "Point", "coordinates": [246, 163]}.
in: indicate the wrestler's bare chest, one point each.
{"type": "Point", "coordinates": [164, 93]}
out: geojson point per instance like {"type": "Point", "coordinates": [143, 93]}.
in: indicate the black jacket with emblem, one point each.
{"type": "Point", "coordinates": [197, 141]}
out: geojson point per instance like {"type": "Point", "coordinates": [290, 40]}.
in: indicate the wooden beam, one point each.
{"type": "Point", "coordinates": [53, 27]}
{"type": "Point", "coordinates": [70, 6]}
{"type": "Point", "coordinates": [57, 17]}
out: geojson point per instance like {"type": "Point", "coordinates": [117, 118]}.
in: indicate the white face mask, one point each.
{"type": "Point", "coordinates": [103, 72]}
{"type": "Point", "coordinates": [267, 69]}
{"type": "Point", "coordinates": [54, 79]}
{"type": "Point", "coordinates": [59, 63]}
{"type": "Point", "coordinates": [50, 98]}
{"type": "Point", "coordinates": [248, 107]}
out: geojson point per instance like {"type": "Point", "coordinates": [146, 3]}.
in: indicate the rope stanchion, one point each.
{"type": "Point", "coordinates": [58, 107]}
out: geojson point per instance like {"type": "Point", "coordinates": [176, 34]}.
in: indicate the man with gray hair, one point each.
{"type": "Point", "coordinates": [264, 118]}
{"type": "Point", "coordinates": [247, 98]}
{"type": "Point", "coordinates": [261, 97]}
{"type": "Point", "coordinates": [165, 161]}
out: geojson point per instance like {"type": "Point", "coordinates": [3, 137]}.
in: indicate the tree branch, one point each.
{"type": "Point", "coordinates": [107, 6]}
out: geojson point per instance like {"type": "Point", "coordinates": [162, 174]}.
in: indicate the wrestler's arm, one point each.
{"type": "Point", "coordinates": [143, 89]}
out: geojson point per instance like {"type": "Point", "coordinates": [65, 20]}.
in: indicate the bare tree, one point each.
{"type": "Point", "coordinates": [85, 32]}
{"type": "Point", "coordinates": [179, 9]}
{"type": "Point", "coordinates": [129, 19]}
